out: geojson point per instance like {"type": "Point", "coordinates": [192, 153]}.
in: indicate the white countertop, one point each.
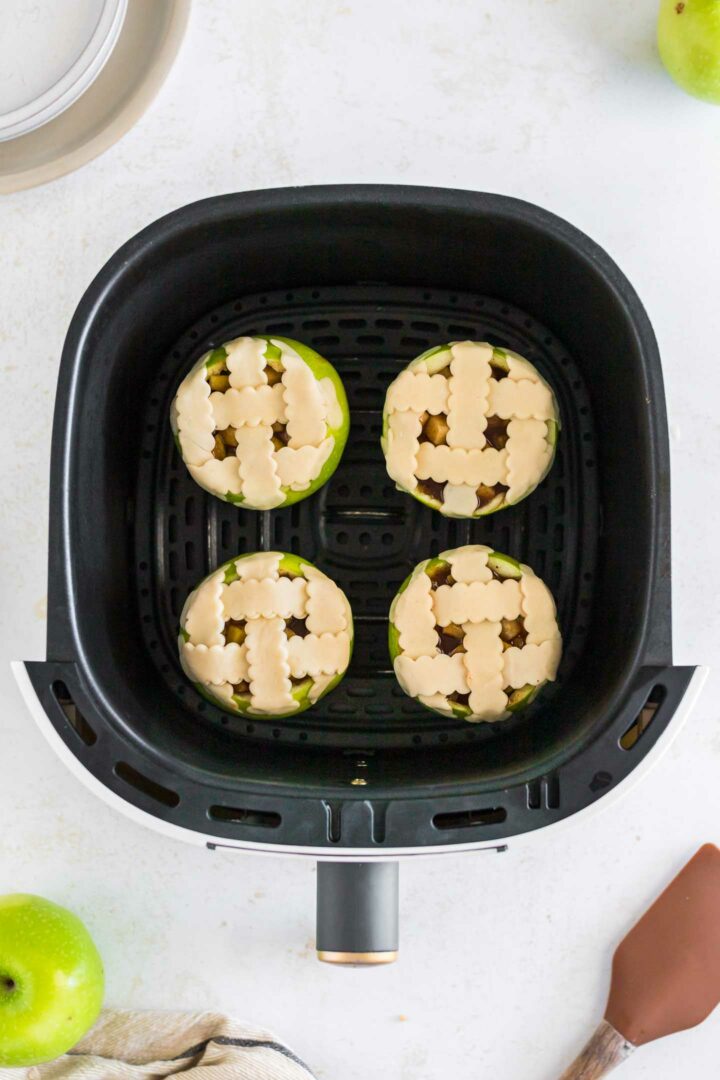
{"type": "Point", "coordinates": [505, 958]}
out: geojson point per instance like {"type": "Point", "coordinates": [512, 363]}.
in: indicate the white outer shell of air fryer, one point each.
{"type": "Point", "coordinates": [340, 854]}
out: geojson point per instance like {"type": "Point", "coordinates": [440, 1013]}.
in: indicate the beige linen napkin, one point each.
{"type": "Point", "coordinates": [127, 1045]}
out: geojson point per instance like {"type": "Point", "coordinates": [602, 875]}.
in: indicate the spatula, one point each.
{"type": "Point", "coordinates": [665, 973]}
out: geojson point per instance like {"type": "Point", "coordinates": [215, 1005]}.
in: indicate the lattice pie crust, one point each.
{"type": "Point", "coordinates": [267, 634]}
{"type": "Point", "coordinates": [255, 424]}
{"type": "Point", "coordinates": [469, 428]}
{"type": "Point", "coordinates": [474, 634]}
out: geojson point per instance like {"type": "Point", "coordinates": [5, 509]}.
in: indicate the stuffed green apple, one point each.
{"type": "Point", "coordinates": [474, 634]}
{"type": "Point", "coordinates": [51, 980]}
{"type": "Point", "coordinates": [689, 43]}
{"type": "Point", "coordinates": [266, 634]}
{"type": "Point", "coordinates": [261, 421]}
{"type": "Point", "coordinates": [469, 428]}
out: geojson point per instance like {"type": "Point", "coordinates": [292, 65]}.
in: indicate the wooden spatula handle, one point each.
{"type": "Point", "coordinates": [604, 1052]}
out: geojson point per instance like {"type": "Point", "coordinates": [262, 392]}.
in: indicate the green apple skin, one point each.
{"type": "Point", "coordinates": [51, 980]}
{"type": "Point", "coordinates": [293, 564]}
{"type": "Point", "coordinates": [321, 369]}
{"type": "Point", "coordinates": [688, 37]}
{"type": "Point", "coordinates": [504, 565]}
{"type": "Point", "coordinates": [435, 360]}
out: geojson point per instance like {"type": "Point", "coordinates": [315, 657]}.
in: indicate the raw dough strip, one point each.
{"type": "Point", "coordinates": [263, 564]}
{"type": "Point", "coordinates": [252, 405]}
{"type": "Point", "coordinates": [477, 602]}
{"type": "Point", "coordinates": [438, 702]}
{"type": "Point", "coordinates": [268, 669]}
{"type": "Point", "coordinates": [296, 469]}
{"type": "Point", "coordinates": [333, 412]}
{"type": "Point", "coordinates": [402, 441]}
{"type": "Point", "coordinates": [418, 392]}
{"type": "Point", "coordinates": [259, 483]}
{"type": "Point", "coordinates": [328, 611]}
{"type": "Point", "coordinates": [319, 686]}
{"type": "Point", "coordinates": [426, 675]}
{"type": "Point", "coordinates": [520, 368]}
{"type": "Point", "coordinates": [323, 655]}
{"type": "Point", "coordinates": [538, 606]}
{"type": "Point", "coordinates": [194, 418]}
{"type": "Point", "coordinates": [469, 563]}
{"type": "Point", "coordinates": [467, 403]}
{"type": "Point", "coordinates": [253, 599]}
{"type": "Point", "coordinates": [203, 617]}
{"type": "Point", "coordinates": [305, 405]}
{"type": "Point", "coordinates": [446, 463]}
{"type": "Point", "coordinates": [218, 475]}
{"type": "Point", "coordinates": [529, 454]}
{"type": "Point", "coordinates": [225, 691]}
{"type": "Point", "coordinates": [459, 500]}
{"type": "Point", "coordinates": [531, 665]}
{"type": "Point", "coordinates": [413, 616]}
{"type": "Point", "coordinates": [246, 362]}
{"type": "Point", "coordinates": [524, 399]}
{"type": "Point", "coordinates": [483, 661]}
{"type": "Point", "coordinates": [215, 665]}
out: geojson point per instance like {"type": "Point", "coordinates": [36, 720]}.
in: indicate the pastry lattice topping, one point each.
{"type": "Point", "coordinates": [261, 421]}
{"type": "Point", "coordinates": [469, 428]}
{"type": "Point", "coordinates": [267, 634]}
{"type": "Point", "coordinates": [474, 634]}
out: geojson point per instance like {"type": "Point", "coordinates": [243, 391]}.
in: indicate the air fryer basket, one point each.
{"type": "Point", "coordinates": [369, 276]}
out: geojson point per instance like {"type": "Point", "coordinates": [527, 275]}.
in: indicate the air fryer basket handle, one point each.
{"type": "Point", "coordinates": [357, 912]}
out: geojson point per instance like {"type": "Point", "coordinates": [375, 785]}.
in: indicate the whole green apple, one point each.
{"type": "Point", "coordinates": [689, 43]}
{"type": "Point", "coordinates": [51, 980]}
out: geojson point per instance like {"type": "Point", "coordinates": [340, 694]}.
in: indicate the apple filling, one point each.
{"type": "Point", "coordinates": [450, 639]}
{"type": "Point", "coordinates": [496, 432]}
{"type": "Point", "coordinates": [225, 443]}
{"type": "Point", "coordinates": [296, 628]}
{"type": "Point", "coordinates": [219, 381]}
{"type": "Point", "coordinates": [234, 632]}
{"type": "Point", "coordinates": [280, 436]}
{"type": "Point", "coordinates": [434, 429]}
{"type": "Point", "coordinates": [441, 574]}
{"type": "Point", "coordinates": [485, 494]}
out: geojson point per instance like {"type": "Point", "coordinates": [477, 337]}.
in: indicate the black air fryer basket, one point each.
{"type": "Point", "coordinates": [370, 277]}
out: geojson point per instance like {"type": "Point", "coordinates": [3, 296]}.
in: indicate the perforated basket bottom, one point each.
{"type": "Point", "coordinates": [359, 528]}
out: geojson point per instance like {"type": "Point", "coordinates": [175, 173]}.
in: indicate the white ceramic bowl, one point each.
{"type": "Point", "coordinates": [50, 54]}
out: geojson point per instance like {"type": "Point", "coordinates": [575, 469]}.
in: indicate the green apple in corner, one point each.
{"type": "Point", "coordinates": [689, 43]}
{"type": "Point", "coordinates": [51, 980]}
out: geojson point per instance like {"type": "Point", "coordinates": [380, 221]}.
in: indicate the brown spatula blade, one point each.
{"type": "Point", "coordinates": [666, 972]}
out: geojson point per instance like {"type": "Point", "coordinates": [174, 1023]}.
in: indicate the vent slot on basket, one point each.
{"type": "Point", "coordinates": [334, 821]}
{"type": "Point", "coordinates": [644, 718]}
{"type": "Point", "coordinates": [241, 815]}
{"type": "Point", "coordinates": [147, 786]}
{"type": "Point", "coordinates": [72, 714]}
{"type": "Point", "coordinates": [466, 819]}
{"type": "Point", "coordinates": [543, 793]}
